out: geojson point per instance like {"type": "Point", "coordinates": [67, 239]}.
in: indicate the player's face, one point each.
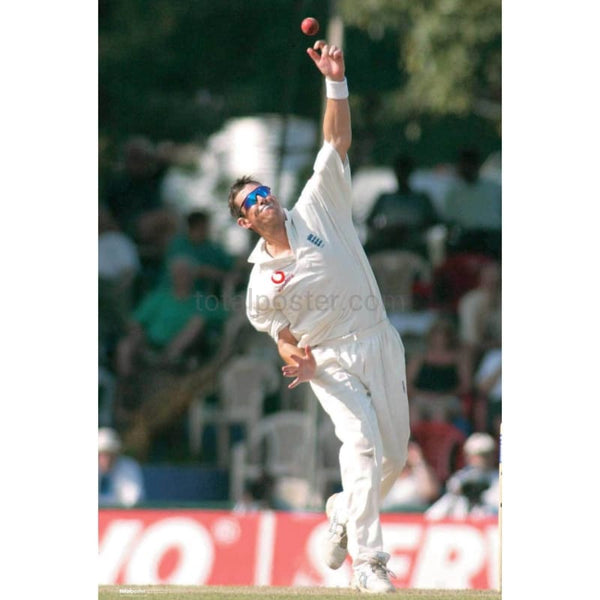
{"type": "Point", "coordinates": [257, 207]}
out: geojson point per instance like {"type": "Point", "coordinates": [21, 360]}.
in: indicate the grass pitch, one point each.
{"type": "Point", "coordinates": [174, 592]}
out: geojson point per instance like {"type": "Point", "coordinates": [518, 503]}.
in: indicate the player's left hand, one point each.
{"type": "Point", "coordinates": [303, 370]}
{"type": "Point", "coordinates": [330, 60]}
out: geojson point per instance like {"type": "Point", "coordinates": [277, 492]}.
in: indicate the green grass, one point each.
{"type": "Point", "coordinates": [173, 592]}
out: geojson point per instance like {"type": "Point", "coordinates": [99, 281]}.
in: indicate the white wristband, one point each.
{"type": "Point", "coordinates": [336, 90]}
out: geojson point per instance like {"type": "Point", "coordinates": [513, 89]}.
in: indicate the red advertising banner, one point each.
{"type": "Point", "coordinates": [198, 547]}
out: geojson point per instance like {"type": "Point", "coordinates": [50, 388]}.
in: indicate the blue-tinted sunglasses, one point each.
{"type": "Point", "coordinates": [251, 199]}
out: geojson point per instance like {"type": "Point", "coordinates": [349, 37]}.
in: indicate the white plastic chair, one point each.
{"type": "Point", "coordinates": [281, 444]}
{"type": "Point", "coordinates": [243, 384]}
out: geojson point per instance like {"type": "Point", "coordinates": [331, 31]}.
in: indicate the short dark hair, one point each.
{"type": "Point", "coordinates": [234, 190]}
{"type": "Point", "coordinates": [197, 217]}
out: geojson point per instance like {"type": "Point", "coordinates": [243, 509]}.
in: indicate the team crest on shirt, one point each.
{"type": "Point", "coordinates": [314, 239]}
{"type": "Point", "coordinates": [279, 277]}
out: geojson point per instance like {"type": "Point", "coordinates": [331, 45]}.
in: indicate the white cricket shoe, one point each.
{"type": "Point", "coordinates": [335, 548]}
{"type": "Point", "coordinates": [374, 577]}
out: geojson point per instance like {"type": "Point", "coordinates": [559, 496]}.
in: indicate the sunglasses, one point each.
{"type": "Point", "coordinates": [251, 199]}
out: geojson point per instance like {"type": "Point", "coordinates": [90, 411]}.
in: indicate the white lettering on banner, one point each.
{"type": "Point", "coordinates": [194, 545]}
{"type": "Point", "coordinates": [226, 531]}
{"type": "Point", "coordinates": [265, 543]}
{"type": "Point", "coordinates": [450, 556]}
{"type": "Point", "coordinates": [145, 547]}
{"type": "Point", "coordinates": [115, 547]}
{"type": "Point", "coordinates": [400, 538]}
{"type": "Point", "coordinates": [313, 552]}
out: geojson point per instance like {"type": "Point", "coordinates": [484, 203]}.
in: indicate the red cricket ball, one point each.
{"type": "Point", "coordinates": [310, 26]}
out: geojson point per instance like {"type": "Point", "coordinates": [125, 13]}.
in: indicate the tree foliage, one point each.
{"type": "Point", "coordinates": [179, 68]}
{"type": "Point", "coordinates": [449, 49]}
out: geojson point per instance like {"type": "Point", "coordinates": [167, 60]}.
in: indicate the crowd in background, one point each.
{"type": "Point", "coordinates": [161, 279]}
{"type": "Point", "coordinates": [164, 280]}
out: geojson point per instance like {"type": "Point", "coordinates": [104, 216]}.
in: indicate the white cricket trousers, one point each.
{"type": "Point", "coordinates": [361, 385]}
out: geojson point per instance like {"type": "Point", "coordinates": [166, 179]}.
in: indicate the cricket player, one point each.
{"type": "Point", "coordinates": [313, 291]}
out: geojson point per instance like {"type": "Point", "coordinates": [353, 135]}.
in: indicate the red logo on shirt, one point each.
{"type": "Point", "coordinates": [278, 277]}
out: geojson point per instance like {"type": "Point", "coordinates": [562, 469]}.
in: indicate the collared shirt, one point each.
{"type": "Point", "coordinates": [324, 288]}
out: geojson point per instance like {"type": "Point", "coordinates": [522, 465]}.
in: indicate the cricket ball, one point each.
{"type": "Point", "coordinates": [310, 26]}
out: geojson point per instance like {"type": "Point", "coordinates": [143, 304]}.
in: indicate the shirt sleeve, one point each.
{"type": "Point", "coordinates": [330, 184]}
{"type": "Point", "coordinates": [263, 316]}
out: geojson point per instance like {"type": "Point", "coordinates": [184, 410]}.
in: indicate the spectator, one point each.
{"type": "Point", "coordinates": [416, 486]}
{"type": "Point", "coordinates": [473, 206]}
{"type": "Point", "coordinates": [117, 253]}
{"type": "Point", "coordinates": [480, 313]}
{"type": "Point", "coordinates": [399, 219]}
{"type": "Point", "coordinates": [473, 490]}
{"type": "Point", "coordinates": [118, 265]}
{"type": "Point", "coordinates": [213, 263]}
{"type": "Point", "coordinates": [257, 494]}
{"type": "Point", "coordinates": [439, 377]}
{"type": "Point", "coordinates": [169, 322]}
{"type": "Point", "coordinates": [488, 383]}
{"type": "Point", "coordinates": [120, 480]}
{"type": "Point", "coordinates": [133, 198]}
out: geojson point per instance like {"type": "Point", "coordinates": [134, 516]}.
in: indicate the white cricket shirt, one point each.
{"type": "Point", "coordinates": [325, 288]}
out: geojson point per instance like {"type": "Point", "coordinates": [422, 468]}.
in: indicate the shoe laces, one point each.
{"type": "Point", "coordinates": [379, 567]}
{"type": "Point", "coordinates": [337, 531]}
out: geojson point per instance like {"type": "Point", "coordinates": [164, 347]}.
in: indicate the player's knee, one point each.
{"type": "Point", "coordinates": [395, 458]}
{"type": "Point", "coordinates": [365, 448]}
{"type": "Point", "coordinates": [394, 465]}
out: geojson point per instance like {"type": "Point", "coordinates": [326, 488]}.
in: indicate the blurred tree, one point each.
{"type": "Point", "coordinates": [422, 74]}
{"type": "Point", "coordinates": [179, 68]}
{"type": "Point", "coordinates": [450, 51]}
